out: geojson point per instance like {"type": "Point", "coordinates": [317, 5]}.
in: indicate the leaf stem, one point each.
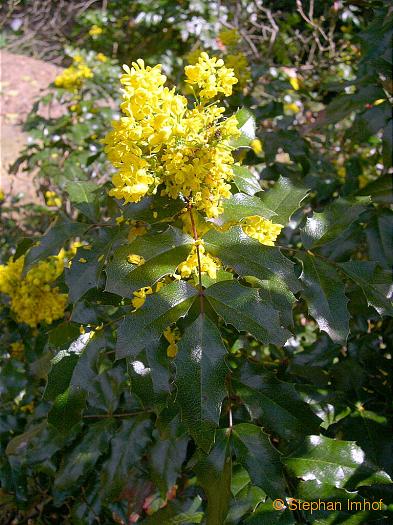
{"type": "Point", "coordinates": [124, 414]}
{"type": "Point", "coordinates": [195, 234]}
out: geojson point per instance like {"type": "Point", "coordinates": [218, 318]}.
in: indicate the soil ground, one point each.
{"type": "Point", "coordinates": [22, 81]}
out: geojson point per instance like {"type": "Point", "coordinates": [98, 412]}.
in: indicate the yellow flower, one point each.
{"type": "Point", "coordinates": [34, 299]}
{"type": "Point", "coordinates": [52, 199]}
{"type": "Point", "coordinates": [256, 146]}
{"type": "Point", "coordinates": [135, 259]}
{"type": "Point", "coordinates": [172, 335]}
{"type": "Point", "coordinates": [209, 264]}
{"type": "Point", "coordinates": [74, 76]}
{"type": "Point", "coordinates": [263, 230]}
{"type": "Point", "coordinates": [160, 142]}
{"type": "Point", "coordinates": [211, 76]}
{"type": "Point", "coordinates": [17, 350]}
{"type": "Point", "coordinates": [140, 297]}
{"type": "Point", "coordinates": [2, 195]}
{"type": "Point", "coordinates": [95, 31]}
{"type": "Point", "coordinates": [101, 57]}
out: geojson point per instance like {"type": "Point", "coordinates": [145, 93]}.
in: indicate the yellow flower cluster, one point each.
{"type": "Point", "coordinates": [73, 77]}
{"type": "Point", "coordinates": [95, 31]}
{"type": "Point", "coordinates": [101, 57]}
{"type": "Point", "coordinates": [159, 141]}
{"type": "Point", "coordinates": [211, 76]}
{"type": "Point", "coordinates": [209, 264]}
{"type": "Point", "coordinates": [52, 199]}
{"type": "Point", "coordinates": [263, 230]}
{"type": "Point", "coordinates": [17, 349]}
{"type": "Point", "coordinates": [172, 335]}
{"type": "Point", "coordinates": [33, 298]}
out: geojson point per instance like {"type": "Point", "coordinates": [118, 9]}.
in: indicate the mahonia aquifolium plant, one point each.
{"type": "Point", "coordinates": [161, 145]}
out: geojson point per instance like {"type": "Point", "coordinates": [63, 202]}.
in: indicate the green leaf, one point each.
{"type": "Point", "coordinates": [145, 326]}
{"type": "Point", "coordinates": [284, 198]}
{"type": "Point", "coordinates": [200, 379]}
{"type": "Point", "coordinates": [53, 240]}
{"type": "Point", "coordinates": [255, 452]}
{"type": "Point", "coordinates": [67, 410]}
{"type": "Point", "coordinates": [84, 195]}
{"type": "Point", "coordinates": [166, 458]}
{"type": "Point", "coordinates": [244, 308]}
{"type": "Point", "coordinates": [63, 365]}
{"type": "Point", "coordinates": [249, 257]}
{"type": "Point", "coordinates": [324, 292]}
{"type": "Point", "coordinates": [127, 448]}
{"type": "Point", "coordinates": [162, 254]}
{"type": "Point", "coordinates": [266, 514]}
{"type": "Point", "coordinates": [379, 189]}
{"type": "Point", "coordinates": [245, 180]}
{"type": "Point", "coordinates": [214, 472]}
{"type": "Point", "coordinates": [375, 283]}
{"type": "Point", "coordinates": [173, 514]}
{"type": "Point", "coordinates": [333, 463]}
{"type": "Point", "coordinates": [239, 206]}
{"type": "Point", "coordinates": [247, 127]}
{"type": "Point", "coordinates": [275, 292]}
{"type": "Point", "coordinates": [276, 403]}
{"type": "Point", "coordinates": [325, 227]}
{"type": "Point", "coordinates": [81, 460]}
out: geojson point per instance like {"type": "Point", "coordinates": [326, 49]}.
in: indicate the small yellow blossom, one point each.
{"type": "Point", "coordinates": [263, 230]}
{"type": "Point", "coordinates": [95, 31]}
{"type": "Point", "coordinates": [101, 57]}
{"type": "Point", "coordinates": [52, 199]}
{"type": "Point", "coordinates": [209, 264]}
{"type": "Point", "coordinates": [172, 335]}
{"type": "Point", "coordinates": [256, 146]}
{"type": "Point", "coordinates": [135, 259]}
{"type": "Point", "coordinates": [2, 195]}
{"type": "Point", "coordinates": [17, 350]}
{"type": "Point", "coordinates": [140, 297]}
{"type": "Point", "coordinates": [74, 76]}
{"type": "Point", "coordinates": [241, 68]}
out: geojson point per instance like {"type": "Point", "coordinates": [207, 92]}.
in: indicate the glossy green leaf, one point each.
{"type": "Point", "coordinates": [244, 308]}
{"type": "Point", "coordinates": [214, 472]}
{"type": "Point", "coordinates": [375, 283]}
{"type": "Point", "coordinates": [166, 458]}
{"type": "Point", "coordinates": [255, 452]}
{"type": "Point", "coordinates": [340, 464]}
{"type": "Point", "coordinates": [284, 198]}
{"type": "Point", "coordinates": [323, 289]}
{"type": "Point", "coordinates": [86, 268]}
{"type": "Point", "coordinates": [162, 254]}
{"type": "Point", "coordinates": [200, 379]}
{"type": "Point", "coordinates": [247, 127]}
{"type": "Point", "coordinates": [127, 448]}
{"type": "Point", "coordinates": [83, 458]}
{"type": "Point", "coordinates": [245, 180]}
{"type": "Point", "coordinates": [239, 206]}
{"type": "Point", "coordinates": [67, 410]}
{"type": "Point", "coordinates": [276, 404]}
{"type": "Point", "coordinates": [324, 227]}
{"type": "Point", "coordinates": [145, 326]}
{"type": "Point", "coordinates": [53, 240]}
{"type": "Point", "coordinates": [249, 257]}
{"type": "Point", "coordinates": [84, 196]}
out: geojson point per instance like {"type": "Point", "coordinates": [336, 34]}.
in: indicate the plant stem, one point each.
{"type": "Point", "coordinates": [195, 234]}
